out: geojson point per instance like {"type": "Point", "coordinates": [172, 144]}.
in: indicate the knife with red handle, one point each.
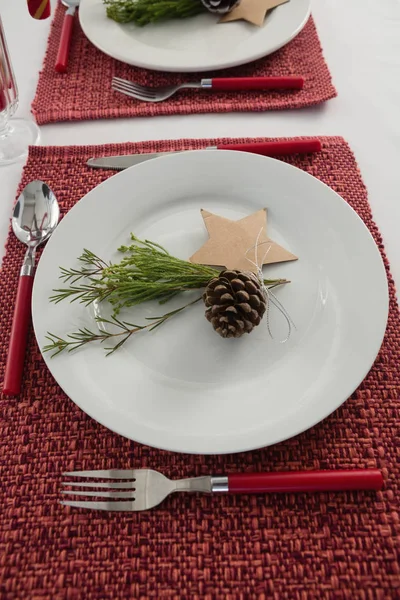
{"type": "Point", "coordinates": [276, 148]}
{"type": "Point", "coordinates": [273, 148]}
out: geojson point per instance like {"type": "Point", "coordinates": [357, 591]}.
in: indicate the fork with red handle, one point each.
{"type": "Point", "coordinates": [141, 489]}
{"type": "Point", "coordinates": [226, 84]}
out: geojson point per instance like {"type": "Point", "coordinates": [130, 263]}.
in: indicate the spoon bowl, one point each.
{"type": "Point", "coordinates": [36, 214]}
{"type": "Point", "coordinates": [34, 219]}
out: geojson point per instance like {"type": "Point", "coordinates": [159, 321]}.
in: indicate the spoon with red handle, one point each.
{"type": "Point", "coordinates": [35, 217]}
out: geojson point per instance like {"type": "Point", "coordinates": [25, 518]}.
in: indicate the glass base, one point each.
{"type": "Point", "coordinates": [16, 138]}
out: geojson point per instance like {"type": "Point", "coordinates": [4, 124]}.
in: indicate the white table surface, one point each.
{"type": "Point", "coordinates": [361, 43]}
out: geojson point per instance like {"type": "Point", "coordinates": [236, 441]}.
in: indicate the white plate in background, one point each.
{"type": "Point", "coordinates": [194, 44]}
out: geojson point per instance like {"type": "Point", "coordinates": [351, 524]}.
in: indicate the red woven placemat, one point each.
{"type": "Point", "coordinates": [284, 547]}
{"type": "Point", "coordinates": [84, 92]}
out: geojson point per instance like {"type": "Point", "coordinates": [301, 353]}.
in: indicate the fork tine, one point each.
{"type": "Point", "coordinates": [113, 506]}
{"type": "Point", "coordinates": [131, 94]}
{"type": "Point", "coordinates": [130, 485]}
{"type": "Point", "coordinates": [104, 474]}
{"type": "Point", "coordinates": [122, 81]}
{"type": "Point", "coordinates": [131, 85]}
{"type": "Point", "coordinates": [134, 87]}
{"type": "Point", "coordinates": [99, 494]}
{"type": "Point", "coordinates": [132, 90]}
{"type": "Point", "coordinates": [143, 94]}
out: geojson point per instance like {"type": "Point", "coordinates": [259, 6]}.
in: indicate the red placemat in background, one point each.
{"type": "Point", "coordinates": [282, 547]}
{"type": "Point", "coordinates": [84, 91]}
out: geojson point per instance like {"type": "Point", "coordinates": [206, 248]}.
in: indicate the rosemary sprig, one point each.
{"type": "Point", "coordinates": [124, 331]}
{"type": "Point", "coordinates": [87, 258]}
{"type": "Point", "coordinates": [146, 272]}
{"type": "Point", "coordinates": [143, 12]}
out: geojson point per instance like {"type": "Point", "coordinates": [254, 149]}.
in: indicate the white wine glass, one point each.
{"type": "Point", "coordinates": [16, 135]}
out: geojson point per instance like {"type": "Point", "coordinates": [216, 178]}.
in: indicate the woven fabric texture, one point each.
{"type": "Point", "coordinates": [84, 91]}
{"type": "Point", "coordinates": [341, 546]}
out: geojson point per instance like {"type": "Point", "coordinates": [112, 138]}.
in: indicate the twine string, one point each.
{"type": "Point", "coordinates": [269, 295]}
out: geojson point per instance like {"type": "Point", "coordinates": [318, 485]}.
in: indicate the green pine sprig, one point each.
{"type": "Point", "coordinates": [143, 12]}
{"type": "Point", "coordinates": [123, 332]}
{"type": "Point", "coordinates": [146, 272]}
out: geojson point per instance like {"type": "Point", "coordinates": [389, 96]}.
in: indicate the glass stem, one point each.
{"type": "Point", "coordinates": [4, 124]}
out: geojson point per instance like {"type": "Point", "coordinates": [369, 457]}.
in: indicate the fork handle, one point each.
{"type": "Point", "coordinates": [305, 481]}
{"type": "Point", "coordinates": [291, 82]}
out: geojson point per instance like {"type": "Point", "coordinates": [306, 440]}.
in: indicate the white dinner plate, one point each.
{"type": "Point", "coordinates": [195, 44]}
{"type": "Point", "coordinates": [182, 387]}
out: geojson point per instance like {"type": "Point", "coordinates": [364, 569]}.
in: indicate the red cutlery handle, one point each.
{"type": "Point", "coordinates": [65, 42]}
{"type": "Point", "coordinates": [276, 148]}
{"type": "Point", "coordinates": [306, 481]}
{"type": "Point", "coordinates": [39, 9]}
{"type": "Point", "coordinates": [258, 83]}
{"type": "Point", "coordinates": [18, 339]}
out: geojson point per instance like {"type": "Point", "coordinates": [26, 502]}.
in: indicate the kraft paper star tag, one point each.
{"type": "Point", "coordinates": [253, 11]}
{"type": "Point", "coordinates": [232, 244]}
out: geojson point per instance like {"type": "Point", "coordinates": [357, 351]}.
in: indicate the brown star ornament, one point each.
{"type": "Point", "coordinates": [253, 11]}
{"type": "Point", "coordinates": [232, 244]}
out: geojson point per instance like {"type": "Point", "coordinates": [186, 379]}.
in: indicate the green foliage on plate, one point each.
{"type": "Point", "coordinates": [146, 272]}
{"type": "Point", "coordinates": [143, 12]}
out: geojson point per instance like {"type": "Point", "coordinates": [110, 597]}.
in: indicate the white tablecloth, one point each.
{"type": "Point", "coordinates": [361, 43]}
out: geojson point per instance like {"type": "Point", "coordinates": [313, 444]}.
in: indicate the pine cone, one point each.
{"type": "Point", "coordinates": [220, 6]}
{"type": "Point", "coordinates": [235, 303]}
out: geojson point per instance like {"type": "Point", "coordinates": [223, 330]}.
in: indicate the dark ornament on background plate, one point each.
{"type": "Point", "coordinates": [220, 6]}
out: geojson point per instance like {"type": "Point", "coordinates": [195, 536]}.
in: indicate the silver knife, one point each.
{"type": "Point", "coordinates": [273, 148]}
{"type": "Point", "coordinates": [119, 163]}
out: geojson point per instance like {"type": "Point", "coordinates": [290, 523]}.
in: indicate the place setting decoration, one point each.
{"type": "Point", "coordinates": [108, 74]}
{"type": "Point", "coordinates": [153, 286]}
{"type": "Point", "coordinates": [143, 12]}
{"type": "Point", "coordinates": [236, 298]}
{"type": "Point", "coordinates": [346, 460]}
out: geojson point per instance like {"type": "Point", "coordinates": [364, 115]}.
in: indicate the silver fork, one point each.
{"type": "Point", "coordinates": [145, 489]}
{"type": "Point", "coordinates": [141, 489]}
{"type": "Point", "coordinates": [158, 94]}
{"type": "Point", "coordinates": [148, 94]}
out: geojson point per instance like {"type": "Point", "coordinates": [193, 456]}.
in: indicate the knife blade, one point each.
{"type": "Point", "coordinates": [274, 148]}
